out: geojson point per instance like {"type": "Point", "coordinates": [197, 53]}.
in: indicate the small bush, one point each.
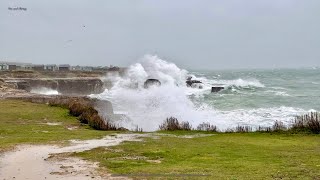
{"type": "Point", "coordinates": [137, 129]}
{"type": "Point", "coordinates": [207, 127]}
{"type": "Point", "coordinates": [185, 126]}
{"type": "Point", "coordinates": [98, 123]}
{"type": "Point", "coordinates": [170, 124]}
{"type": "Point", "coordinates": [84, 110]}
{"type": "Point", "coordinates": [76, 108]}
{"type": "Point", "coordinates": [243, 129]}
{"type": "Point", "coordinates": [87, 114]}
{"type": "Point", "coordinates": [309, 122]}
{"type": "Point", "coordinates": [229, 130]}
{"type": "Point", "coordinates": [264, 129]}
{"type": "Point", "coordinates": [278, 126]}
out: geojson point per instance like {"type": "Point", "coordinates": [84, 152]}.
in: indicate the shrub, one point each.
{"type": "Point", "coordinates": [87, 114]}
{"type": "Point", "coordinates": [98, 123]}
{"type": "Point", "coordinates": [229, 130]}
{"type": "Point", "coordinates": [278, 126]}
{"type": "Point", "coordinates": [170, 124]}
{"type": "Point", "coordinates": [185, 125]}
{"type": "Point", "coordinates": [243, 129]}
{"type": "Point", "coordinates": [78, 108]}
{"type": "Point", "coordinates": [84, 110]}
{"type": "Point", "coordinates": [264, 129]}
{"type": "Point", "coordinates": [137, 129]}
{"type": "Point", "coordinates": [309, 122]}
{"type": "Point", "coordinates": [207, 127]}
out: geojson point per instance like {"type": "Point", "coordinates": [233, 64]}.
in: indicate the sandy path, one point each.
{"type": "Point", "coordinates": [33, 162]}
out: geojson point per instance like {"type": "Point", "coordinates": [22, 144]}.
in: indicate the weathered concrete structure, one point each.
{"type": "Point", "coordinates": [65, 86]}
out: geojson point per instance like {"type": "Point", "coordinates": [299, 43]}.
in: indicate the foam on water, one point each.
{"type": "Point", "coordinates": [148, 108]}
{"type": "Point", "coordinates": [44, 91]}
{"type": "Point", "coordinates": [277, 93]}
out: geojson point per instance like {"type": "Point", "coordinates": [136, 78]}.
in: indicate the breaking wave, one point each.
{"type": "Point", "coordinates": [44, 91]}
{"type": "Point", "coordinates": [148, 108]}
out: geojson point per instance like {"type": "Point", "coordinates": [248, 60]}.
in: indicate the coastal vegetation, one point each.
{"type": "Point", "coordinates": [31, 123]}
{"type": "Point", "coordinates": [177, 151]}
{"type": "Point", "coordinates": [84, 110]}
{"type": "Point", "coordinates": [308, 123]}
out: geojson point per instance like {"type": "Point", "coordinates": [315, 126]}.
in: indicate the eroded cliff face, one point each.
{"type": "Point", "coordinates": [64, 86]}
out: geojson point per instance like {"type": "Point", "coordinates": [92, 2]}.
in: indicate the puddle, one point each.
{"type": "Point", "coordinates": [183, 136]}
{"type": "Point", "coordinates": [33, 162]}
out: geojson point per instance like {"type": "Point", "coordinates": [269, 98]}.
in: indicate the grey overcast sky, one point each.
{"type": "Point", "coordinates": [196, 34]}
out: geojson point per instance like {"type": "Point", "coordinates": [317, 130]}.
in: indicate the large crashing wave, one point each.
{"type": "Point", "coordinates": [148, 108]}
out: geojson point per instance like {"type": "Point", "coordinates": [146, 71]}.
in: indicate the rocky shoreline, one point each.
{"type": "Point", "coordinates": [72, 95]}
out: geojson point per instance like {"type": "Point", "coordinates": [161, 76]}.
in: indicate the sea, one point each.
{"type": "Point", "coordinates": [253, 97]}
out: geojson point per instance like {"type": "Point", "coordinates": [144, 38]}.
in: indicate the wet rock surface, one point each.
{"type": "Point", "coordinates": [151, 82]}
{"type": "Point", "coordinates": [194, 83]}
{"type": "Point", "coordinates": [217, 89]}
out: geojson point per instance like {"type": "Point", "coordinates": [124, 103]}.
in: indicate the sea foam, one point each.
{"type": "Point", "coordinates": [148, 108]}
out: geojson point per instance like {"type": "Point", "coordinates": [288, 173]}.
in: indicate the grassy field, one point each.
{"type": "Point", "coordinates": [24, 122]}
{"type": "Point", "coordinates": [220, 156]}
{"type": "Point", "coordinates": [171, 155]}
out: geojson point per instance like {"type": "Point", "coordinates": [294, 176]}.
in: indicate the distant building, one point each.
{"type": "Point", "coordinates": [4, 67]}
{"type": "Point", "coordinates": [75, 68]}
{"type": "Point", "coordinates": [12, 67]}
{"type": "Point", "coordinates": [64, 67]}
{"type": "Point", "coordinates": [86, 68]}
{"type": "Point", "coordinates": [100, 68]}
{"type": "Point", "coordinates": [81, 68]}
{"type": "Point", "coordinates": [50, 67]}
{"type": "Point", "coordinates": [39, 67]}
{"type": "Point", "coordinates": [25, 67]}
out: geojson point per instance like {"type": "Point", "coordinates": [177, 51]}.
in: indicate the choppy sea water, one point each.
{"type": "Point", "coordinates": [251, 97]}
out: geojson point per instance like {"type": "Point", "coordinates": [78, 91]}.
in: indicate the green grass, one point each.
{"type": "Point", "coordinates": [220, 156]}
{"type": "Point", "coordinates": [25, 122]}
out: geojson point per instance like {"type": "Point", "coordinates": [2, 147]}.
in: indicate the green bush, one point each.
{"type": "Point", "coordinates": [83, 109]}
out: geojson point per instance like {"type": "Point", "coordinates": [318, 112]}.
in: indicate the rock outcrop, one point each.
{"type": "Point", "coordinates": [152, 82]}
{"type": "Point", "coordinates": [217, 89]}
{"type": "Point", "coordinates": [194, 83]}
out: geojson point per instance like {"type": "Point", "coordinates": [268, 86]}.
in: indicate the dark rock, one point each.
{"type": "Point", "coordinates": [190, 82]}
{"type": "Point", "coordinates": [152, 82]}
{"type": "Point", "coordinates": [216, 89]}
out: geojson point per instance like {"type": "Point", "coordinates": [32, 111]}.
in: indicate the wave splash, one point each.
{"type": "Point", "coordinates": [44, 91]}
{"type": "Point", "coordinates": [148, 108]}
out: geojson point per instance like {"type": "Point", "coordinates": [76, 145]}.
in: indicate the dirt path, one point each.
{"type": "Point", "coordinates": [35, 162]}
